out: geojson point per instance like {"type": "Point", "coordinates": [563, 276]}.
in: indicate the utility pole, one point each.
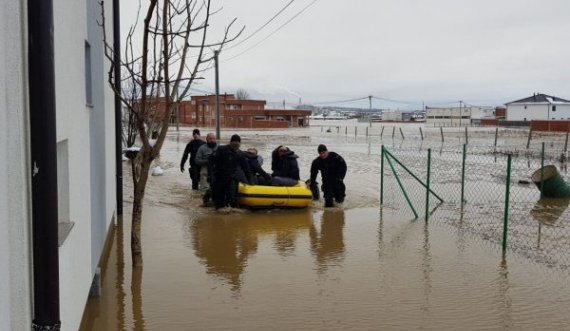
{"type": "Point", "coordinates": [370, 110]}
{"type": "Point", "coordinates": [218, 135]}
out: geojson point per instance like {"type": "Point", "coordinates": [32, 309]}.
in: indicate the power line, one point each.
{"type": "Point", "coordinates": [272, 33]}
{"type": "Point", "coordinates": [397, 101]}
{"type": "Point", "coordinates": [261, 27]}
{"type": "Point", "coordinates": [339, 101]}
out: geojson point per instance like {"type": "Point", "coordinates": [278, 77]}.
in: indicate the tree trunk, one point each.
{"type": "Point", "coordinates": [138, 197]}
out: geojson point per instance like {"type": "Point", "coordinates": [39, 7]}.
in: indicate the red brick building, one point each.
{"type": "Point", "coordinates": [238, 113]}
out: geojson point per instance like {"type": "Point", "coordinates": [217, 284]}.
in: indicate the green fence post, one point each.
{"type": "Point", "coordinates": [382, 175]}
{"type": "Point", "coordinates": [401, 186]}
{"type": "Point", "coordinates": [507, 194]}
{"type": "Point", "coordinates": [428, 183]}
{"type": "Point", "coordinates": [542, 171]}
{"type": "Point", "coordinates": [463, 174]}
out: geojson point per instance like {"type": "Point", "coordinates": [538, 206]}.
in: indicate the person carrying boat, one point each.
{"type": "Point", "coordinates": [257, 174]}
{"type": "Point", "coordinates": [192, 149]}
{"type": "Point", "coordinates": [229, 166]}
{"type": "Point", "coordinates": [285, 167]}
{"type": "Point", "coordinates": [202, 160]}
{"type": "Point", "coordinates": [333, 169]}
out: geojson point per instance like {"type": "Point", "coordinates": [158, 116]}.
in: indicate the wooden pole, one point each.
{"type": "Point", "coordinates": [529, 137]}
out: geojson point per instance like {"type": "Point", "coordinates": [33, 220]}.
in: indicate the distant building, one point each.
{"type": "Point", "coordinates": [538, 107]}
{"type": "Point", "coordinates": [238, 113]}
{"type": "Point", "coordinates": [456, 116]}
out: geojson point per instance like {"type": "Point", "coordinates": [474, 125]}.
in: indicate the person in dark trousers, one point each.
{"type": "Point", "coordinates": [333, 169]}
{"type": "Point", "coordinates": [285, 167]}
{"type": "Point", "coordinates": [203, 160]}
{"type": "Point", "coordinates": [229, 166]}
{"type": "Point", "coordinates": [192, 149]}
{"type": "Point", "coordinates": [257, 174]}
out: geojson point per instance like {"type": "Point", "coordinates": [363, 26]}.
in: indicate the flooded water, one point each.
{"type": "Point", "coordinates": [354, 267]}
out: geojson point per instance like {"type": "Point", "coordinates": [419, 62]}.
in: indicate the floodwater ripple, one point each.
{"type": "Point", "coordinates": [353, 267]}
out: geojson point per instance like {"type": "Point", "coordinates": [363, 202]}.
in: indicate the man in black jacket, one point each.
{"type": "Point", "coordinates": [229, 166]}
{"type": "Point", "coordinates": [192, 149]}
{"type": "Point", "coordinates": [333, 169]}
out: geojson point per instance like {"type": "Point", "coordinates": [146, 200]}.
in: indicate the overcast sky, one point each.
{"type": "Point", "coordinates": [431, 52]}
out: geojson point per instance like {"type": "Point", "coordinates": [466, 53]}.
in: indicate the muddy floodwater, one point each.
{"type": "Point", "coordinates": [352, 267]}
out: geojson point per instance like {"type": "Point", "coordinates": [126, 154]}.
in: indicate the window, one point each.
{"type": "Point", "coordinates": [553, 108]}
{"type": "Point", "coordinates": [88, 76]}
{"type": "Point", "coordinates": [63, 218]}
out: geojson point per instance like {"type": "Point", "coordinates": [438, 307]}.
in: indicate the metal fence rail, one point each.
{"type": "Point", "coordinates": [486, 191]}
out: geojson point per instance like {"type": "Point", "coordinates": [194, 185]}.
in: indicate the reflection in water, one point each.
{"type": "Point", "coordinates": [136, 295]}
{"type": "Point", "coordinates": [426, 268]}
{"type": "Point", "coordinates": [120, 282]}
{"type": "Point", "coordinates": [547, 211]}
{"type": "Point", "coordinates": [109, 311]}
{"type": "Point", "coordinates": [328, 245]}
{"type": "Point", "coordinates": [504, 286]}
{"type": "Point", "coordinates": [225, 242]}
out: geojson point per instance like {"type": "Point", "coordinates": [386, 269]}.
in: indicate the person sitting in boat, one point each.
{"type": "Point", "coordinates": [333, 169]}
{"type": "Point", "coordinates": [229, 166]}
{"type": "Point", "coordinates": [285, 167]}
{"type": "Point", "coordinates": [257, 174]}
{"type": "Point", "coordinates": [202, 160]}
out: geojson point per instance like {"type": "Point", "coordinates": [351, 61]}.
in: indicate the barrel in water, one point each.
{"type": "Point", "coordinates": [553, 184]}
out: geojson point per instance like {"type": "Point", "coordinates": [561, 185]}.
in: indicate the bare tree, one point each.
{"type": "Point", "coordinates": [242, 94]}
{"type": "Point", "coordinates": [175, 50]}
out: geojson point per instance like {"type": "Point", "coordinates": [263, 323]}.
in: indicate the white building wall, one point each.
{"type": "Point", "coordinates": [537, 111]}
{"type": "Point", "coordinates": [88, 130]}
{"type": "Point", "coordinates": [73, 129]}
{"type": "Point", "coordinates": [78, 252]}
{"type": "Point", "coordinates": [455, 116]}
{"type": "Point", "coordinates": [15, 216]}
{"type": "Point", "coordinates": [395, 116]}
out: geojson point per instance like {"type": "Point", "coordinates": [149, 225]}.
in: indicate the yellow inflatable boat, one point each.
{"type": "Point", "coordinates": [259, 196]}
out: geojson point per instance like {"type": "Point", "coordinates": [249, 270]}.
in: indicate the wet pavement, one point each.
{"type": "Point", "coordinates": [352, 267]}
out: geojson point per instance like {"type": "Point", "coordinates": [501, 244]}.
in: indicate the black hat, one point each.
{"type": "Point", "coordinates": [196, 131]}
{"type": "Point", "coordinates": [235, 137]}
{"type": "Point", "coordinates": [322, 148]}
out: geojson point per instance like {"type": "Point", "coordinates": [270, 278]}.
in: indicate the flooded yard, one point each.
{"type": "Point", "coordinates": [354, 267]}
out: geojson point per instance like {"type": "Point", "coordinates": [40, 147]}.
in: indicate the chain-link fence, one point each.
{"type": "Point", "coordinates": [488, 190]}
